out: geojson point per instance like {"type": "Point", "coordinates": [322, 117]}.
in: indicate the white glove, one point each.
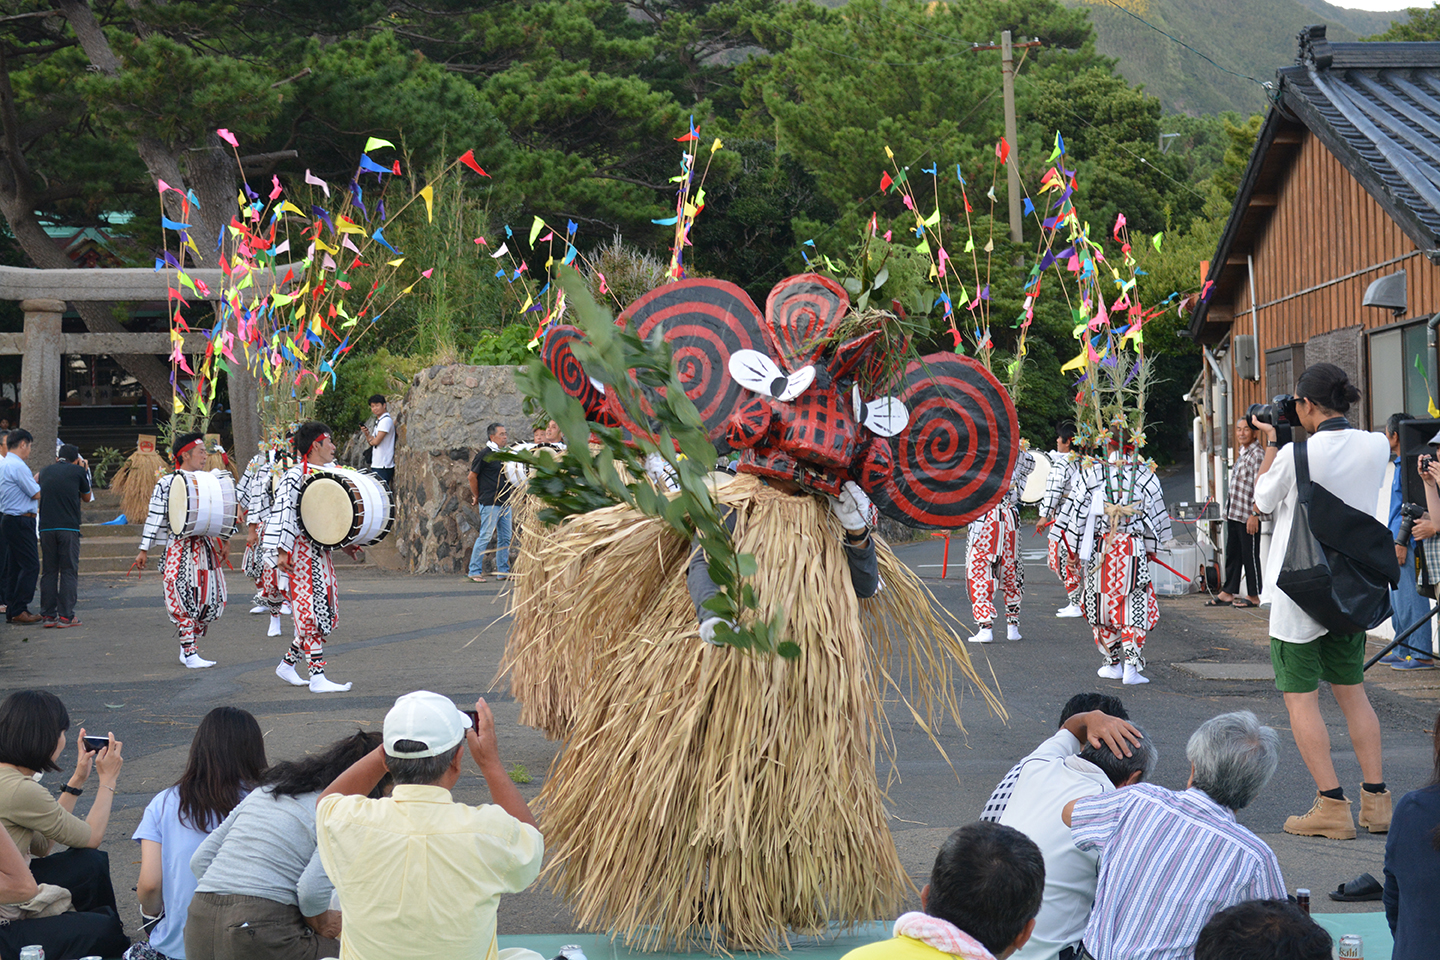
{"type": "Point", "coordinates": [661, 473]}
{"type": "Point", "coordinates": [707, 629]}
{"type": "Point", "coordinates": [852, 508]}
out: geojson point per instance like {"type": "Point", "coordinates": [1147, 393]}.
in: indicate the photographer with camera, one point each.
{"type": "Point", "coordinates": [1408, 525]}
{"type": "Point", "coordinates": [1350, 464]}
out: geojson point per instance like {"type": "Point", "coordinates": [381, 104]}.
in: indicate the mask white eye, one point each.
{"type": "Point", "coordinates": [883, 416]}
{"type": "Point", "coordinates": [597, 384]}
{"type": "Point", "coordinates": [755, 371]}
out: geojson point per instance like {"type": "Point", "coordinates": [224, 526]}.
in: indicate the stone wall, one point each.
{"type": "Point", "coordinates": [440, 429]}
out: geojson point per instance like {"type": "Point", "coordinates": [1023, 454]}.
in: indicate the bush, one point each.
{"type": "Point", "coordinates": [347, 406]}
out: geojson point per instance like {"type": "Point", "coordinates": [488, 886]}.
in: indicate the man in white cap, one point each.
{"type": "Point", "coordinates": [419, 875]}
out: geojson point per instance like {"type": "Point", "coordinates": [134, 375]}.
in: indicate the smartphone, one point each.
{"type": "Point", "coordinates": [474, 719]}
{"type": "Point", "coordinates": [95, 744]}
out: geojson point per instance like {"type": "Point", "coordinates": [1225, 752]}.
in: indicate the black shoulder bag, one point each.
{"type": "Point", "coordinates": [1340, 563]}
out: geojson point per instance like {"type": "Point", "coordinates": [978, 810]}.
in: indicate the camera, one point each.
{"type": "Point", "coordinates": [1409, 513]}
{"type": "Point", "coordinates": [1280, 413]}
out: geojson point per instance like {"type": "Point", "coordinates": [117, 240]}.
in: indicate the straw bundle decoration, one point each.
{"type": "Point", "coordinates": [135, 481]}
{"type": "Point", "coordinates": [746, 781]}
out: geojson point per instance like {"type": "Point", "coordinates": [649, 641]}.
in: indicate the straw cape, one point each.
{"type": "Point", "coordinates": [707, 796]}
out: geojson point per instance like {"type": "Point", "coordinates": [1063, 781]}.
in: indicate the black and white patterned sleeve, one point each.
{"type": "Point", "coordinates": [1057, 484]}
{"type": "Point", "coordinates": [283, 525]}
{"type": "Point", "coordinates": [1157, 516]}
{"type": "Point", "coordinates": [157, 518]}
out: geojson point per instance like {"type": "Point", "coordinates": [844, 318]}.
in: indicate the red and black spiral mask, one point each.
{"type": "Point", "coordinates": [937, 452]}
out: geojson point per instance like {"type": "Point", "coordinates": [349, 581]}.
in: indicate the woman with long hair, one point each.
{"type": "Point", "coordinates": [227, 760]}
{"type": "Point", "coordinates": [1412, 868]}
{"type": "Point", "coordinates": [33, 724]}
{"type": "Point", "coordinates": [262, 894]}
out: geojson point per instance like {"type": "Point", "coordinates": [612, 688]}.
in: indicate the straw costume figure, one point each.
{"type": "Point", "coordinates": [722, 697]}
{"type": "Point", "coordinates": [314, 589]}
{"type": "Point", "coordinates": [992, 558]}
{"type": "Point", "coordinates": [194, 582]}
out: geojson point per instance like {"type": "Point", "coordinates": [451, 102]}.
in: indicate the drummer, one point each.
{"type": "Point", "coordinates": [193, 580]}
{"type": "Point", "coordinates": [993, 557]}
{"type": "Point", "coordinates": [313, 587]}
{"type": "Point", "coordinates": [1060, 552]}
{"type": "Point", "coordinates": [256, 499]}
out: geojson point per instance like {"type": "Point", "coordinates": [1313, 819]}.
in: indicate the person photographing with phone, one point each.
{"type": "Point", "coordinates": [1350, 465]}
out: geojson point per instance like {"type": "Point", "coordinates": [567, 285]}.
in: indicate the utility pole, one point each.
{"type": "Point", "coordinates": [1012, 166]}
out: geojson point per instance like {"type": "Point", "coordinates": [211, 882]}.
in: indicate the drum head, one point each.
{"type": "Point", "coordinates": [326, 512]}
{"type": "Point", "coordinates": [1034, 490]}
{"type": "Point", "coordinates": [179, 504]}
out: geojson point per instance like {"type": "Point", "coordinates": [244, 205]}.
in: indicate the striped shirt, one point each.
{"type": "Point", "coordinates": [1169, 861]}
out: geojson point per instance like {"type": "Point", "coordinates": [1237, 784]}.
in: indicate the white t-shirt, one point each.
{"type": "Point", "coordinates": [1348, 463]}
{"type": "Point", "coordinates": [383, 453]}
{"type": "Point", "coordinates": [1051, 777]}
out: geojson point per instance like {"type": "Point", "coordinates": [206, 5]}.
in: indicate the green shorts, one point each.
{"type": "Point", "coordinates": [1332, 657]}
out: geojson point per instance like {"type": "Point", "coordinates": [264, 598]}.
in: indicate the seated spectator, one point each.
{"type": "Point", "coordinates": [1087, 757]}
{"type": "Point", "coordinates": [227, 759]}
{"type": "Point", "coordinates": [1170, 860]}
{"type": "Point", "coordinates": [246, 903]}
{"type": "Point", "coordinates": [32, 738]}
{"type": "Point", "coordinates": [1412, 868]}
{"type": "Point", "coordinates": [980, 903]}
{"type": "Point", "coordinates": [1080, 703]}
{"type": "Point", "coordinates": [418, 860]}
{"type": "Point", "coordinates": [1263, 930]}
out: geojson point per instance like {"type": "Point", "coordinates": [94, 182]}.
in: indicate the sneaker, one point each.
{"type": "Point", "coordinates": [1132, 675]}
{"type": "Point", "coordinates": [1412, 663]}
{"type": "Point", "coordinates": [1070, 610]}
{"type": "Point", "coordinates": [319, 683]}
{"type": "Point", "coordinates": [274, 630]}
{"type": "Point", "coordinates": [47, 621]}
{"type": "Point", "coordinates": [1110, 671]}
{"type": "Point", "coordinates": [1326, 818]}
{"type": "Point", "coordinates": [289, 674]}
{"type": "Point", "coordinates": [984, 635]}
{"type": "Point", "coordinates": [64, 622]}
{"type": "Point", "coordinates": [196, 662]}
{"type": "Point", "coordinates": [259, 608]}
{"type": "Point", "coordinates": [1012, 631]}
{"type": "Point", "coordinates": [1375, 811]}
{"type": "Point", "coordinates": [285, 609]}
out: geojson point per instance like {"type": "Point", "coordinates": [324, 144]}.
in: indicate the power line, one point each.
{"type": "Point", "coordinates": [1263, 84]}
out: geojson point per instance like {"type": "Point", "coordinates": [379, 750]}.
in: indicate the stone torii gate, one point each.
{"type": "Point", "coordinates": [43, 295]}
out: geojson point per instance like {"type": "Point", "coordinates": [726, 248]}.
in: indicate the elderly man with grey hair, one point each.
{"type": "Point", "coordinates": [1171, 859]}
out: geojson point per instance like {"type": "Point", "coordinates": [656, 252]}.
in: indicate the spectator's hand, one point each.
{"type": "Point", "coordinates": [326, 925]}
{"type": "Point", "coordinates": [84, 761]}
{"type": "Point", "coordinates": [1432, 472]}
{"type": "Point", "coordinates": [474, 500]}
{"type": "Point", "coordinates": [1101, 728]}
{"type": "Point", "coordinates": [1252, 525]}
{"type": "Point", "coordinates": [484, 748]}
{"type": "Point", "coordinates": [1424, 528]}
{"type": "Point", "coordinates": [1400, 554]}
{"type": "Point", "coordinates": [108, 762]}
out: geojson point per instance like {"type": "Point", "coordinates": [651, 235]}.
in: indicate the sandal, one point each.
{"type": "Point", "coordinates": [1363, 887]}
{"type": "Point", "coordinates": [479, 579]}
{"type": "Point", "coordinates": [1217, 602]}
{"type": "Point", "coordinates": [1241, 603]}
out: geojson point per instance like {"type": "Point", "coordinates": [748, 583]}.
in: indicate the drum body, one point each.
{"type": "Point", "coordinates": [345, 508]}
{"type": "Point", "coordinates": [202, 504]}
{"type": "Point", "coordinates": [1034, 489]}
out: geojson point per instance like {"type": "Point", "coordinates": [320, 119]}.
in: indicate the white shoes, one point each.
{"type": "Point", "coordinates": [1110, 671]}
{"type": "Point", "coordinates": [1012, 631]}
{"type": "Point", "coordinates": [196, 662]}
{"type": "Point", "coordinates": [287, 673]}
{"type": "Point", "coordinates": [274, 630]}
{"type": "Point", "coordinates": [259, 608]}
{"type": "Point", "coordinates": [323, 684]}
{"type": "Point", "coordinates": [285, 608]}
{"type": "Point", "coordinates": [985, 635]}
{"type": "Point", "coordinates": [1133, 675]}
{"type": "Point", "coordinates": [1069, 610]}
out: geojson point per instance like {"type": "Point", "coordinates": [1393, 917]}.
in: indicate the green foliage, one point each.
{"type": "Point", "coordinates": [508, 347]}
{"type": "Point", "coordinates": [518, 773]}
{"type": "Point", "coordinates": [103, 464]}
{"type": "Point", "coordinates": [1422, 24]}
{"type": "Point", "coordinates": [642, 377]}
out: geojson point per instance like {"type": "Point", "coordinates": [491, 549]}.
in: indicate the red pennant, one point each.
{"type": "Point", "coordinates": [885, 180]}
{"type": "Point", "coordinates": [468, 158]}
{"type": "Point", "coordinates": [1002, 150]}
{"type": "Point", "coordinates": [396, 169]}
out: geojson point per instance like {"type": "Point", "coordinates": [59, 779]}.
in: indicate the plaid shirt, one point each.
{"type": "Point", "coordinates": [1242, 483]}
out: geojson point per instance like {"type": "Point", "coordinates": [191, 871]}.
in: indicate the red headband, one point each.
{"type": "Point", "coordinates": [315, 441]}
{"type": "Point", "coordinates": [185, 449]}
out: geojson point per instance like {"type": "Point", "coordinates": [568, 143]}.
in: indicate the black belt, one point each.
{"type": "Point", "coordinates": [31, 514]}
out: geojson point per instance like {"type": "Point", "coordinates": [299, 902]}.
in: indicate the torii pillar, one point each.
{"type": "Point", "coordinates": [40, 372]}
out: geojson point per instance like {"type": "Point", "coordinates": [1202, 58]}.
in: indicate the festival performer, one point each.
{"type": "Point", "coordinates": [1060, 549]}
{"type": "Point", "coordinates": [1116, 514]}
{"type": "Point", "coordinates": [256, 496]}
{"type": "Point", "coordinates": [194, 582]}
{"type": "Point", "coordinates": [313, 587]}
{"type": "Point", "coordinates": [992, 557]}
{"type": "Point", "coordinates": [755, 773]}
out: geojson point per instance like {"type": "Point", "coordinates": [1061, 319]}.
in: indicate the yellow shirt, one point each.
{"type": "Point", "coordinates": [34, 818]}
{"type": "Point", "coordinates": [419, 875]}
{"type": "Point", "coordinates": [897, 948]}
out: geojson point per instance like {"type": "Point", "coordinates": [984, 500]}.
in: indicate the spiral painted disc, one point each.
{"type": "Point", "coordinates": [954, 460]}
{"type": "Point", "coordinates": [802, 313]}
{"type": "Point", "coordinates": [557, 355]}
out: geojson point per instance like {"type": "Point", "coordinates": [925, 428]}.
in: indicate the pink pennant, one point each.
{"type": "Point", "coordinates": [942, 258]}
{"type": "Point", "coordinates": [887, 235]}
{"type": "Point", "coordinates": [345, 242]}
{"type": "Point", "coordinates": [315, 181]}
{"type": "Point", "coordinates": [276, 190]}
{"type": "Point", "coordinates": [427, 273]}
{"type": "Point", "coordinates": [328, 263]}
{"type": "Point", "coordinates": [908, 202]}
{"type": "Point", "coordinates": [228, 137]}
{"type": "Point", "coordinates": [1119, 222]}
{"type": "Point", "coordinates": [548, 236]}
{"type": "Point", "coordinates": [481, 241]}
{"type": "Point", "coordinates": [603, 288]}
{"type": "Point", "coordinates": [162, 186]}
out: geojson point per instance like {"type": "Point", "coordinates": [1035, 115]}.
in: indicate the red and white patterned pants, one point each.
{"type": "Point", "coordinates": [993, 554]}
{"type": "Point", "coordinates": [313, 594]}
{"type": "Point", "coordinates": [1119, 599]}
{"type": "Point", "coordinates": [269, 590]}
{"type": "Point", "coordinates": [194, 587]}
{"type": "Point", "coordinates": [1066, 566]}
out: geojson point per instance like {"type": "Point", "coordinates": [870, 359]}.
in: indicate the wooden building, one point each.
{"type": "Point", "coordinates": [1343, 188]}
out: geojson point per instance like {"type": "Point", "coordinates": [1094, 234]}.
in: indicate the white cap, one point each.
{"type": "Point", "coordinates": [427, 718]}
{"type": "Point", "coordinates": [1435, 440]}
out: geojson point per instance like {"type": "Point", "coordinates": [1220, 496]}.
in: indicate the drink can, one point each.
{"type": "Point", "coordinates": [1351, 947]}
{"type": "Point", "coordinates": [32, 952]}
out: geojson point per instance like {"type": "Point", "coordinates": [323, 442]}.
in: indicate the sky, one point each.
{"type": "Point", "coordinates": [1380, 4]}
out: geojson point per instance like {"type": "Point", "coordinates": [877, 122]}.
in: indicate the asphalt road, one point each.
{"type": "Point", "coordinates": [120, 671]}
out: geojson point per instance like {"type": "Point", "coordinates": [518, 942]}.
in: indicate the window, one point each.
{"type": "Point", "coordinates": [1398, 370]}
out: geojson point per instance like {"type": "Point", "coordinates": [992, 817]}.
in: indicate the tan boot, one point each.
{"type": "Point", "coordinates": [1327, 818]}
{"type": "Point", "coordinates": [1375, 811]}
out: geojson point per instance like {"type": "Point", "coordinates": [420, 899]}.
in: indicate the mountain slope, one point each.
{"type": "Point", "coordinates": [1248, 38]}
